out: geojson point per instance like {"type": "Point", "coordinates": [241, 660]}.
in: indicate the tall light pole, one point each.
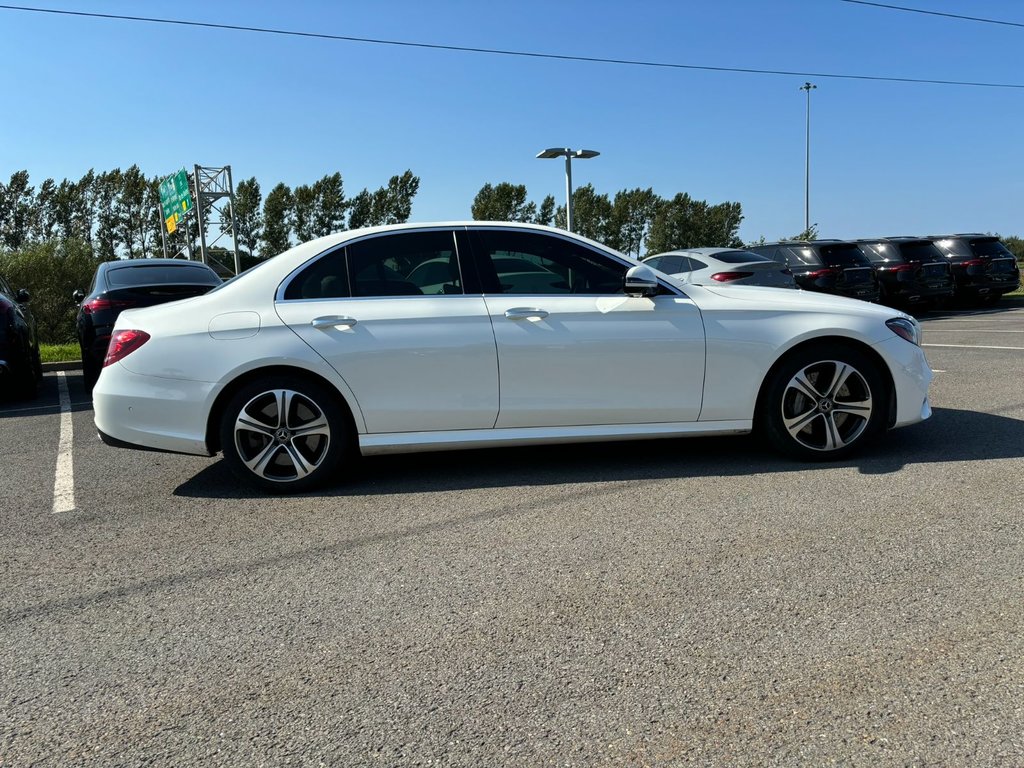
{"type": "Point", "coordinates": [807, 160]}
{"type": "Point", "coordinates": [568, 154]}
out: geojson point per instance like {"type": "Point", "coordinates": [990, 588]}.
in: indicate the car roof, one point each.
{"type": "Point", "coordinates": [699, 251]}
{"type": "Point", "coordinates": [128, 263]}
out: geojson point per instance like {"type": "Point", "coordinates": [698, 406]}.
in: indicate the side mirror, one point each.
{"type": "Point", "coordinates": [78, 296]}
{"type": "Point", "coordinates": [23, 296]}
{"type": "Point", "coordinates": [641, 281]}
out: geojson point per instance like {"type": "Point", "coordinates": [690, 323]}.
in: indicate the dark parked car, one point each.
{"type": "Point", "coordinates": [983, 268]}
{"type": "Point", "coordinates": [828, 266]}
{"type": "Point", "coordinates": [20, 367]}
{"type": "Point", "coordinates": [127, 284]}
{"type": "Point", "coordinates": [911, 271]}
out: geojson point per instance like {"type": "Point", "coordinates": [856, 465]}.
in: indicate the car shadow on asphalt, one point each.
{"type": "Point", "coordinates": [950, 435]}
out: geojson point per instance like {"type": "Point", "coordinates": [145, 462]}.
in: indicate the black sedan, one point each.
{"type": "Point", "coordinates": [20, 367]}
{"type": "Point", "coordinates": [128, 284]}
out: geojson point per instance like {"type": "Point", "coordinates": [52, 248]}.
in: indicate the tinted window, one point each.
{"type": "Point", "coordinates": [669, 264]}
{"type": "Point", "coordinates": [843, 255]}
{"type": "Point", "coordinates": [923, 252]}
{"type": "Point", "coordinates": [880, 253]}
{"type": "Point", "coordinates": [739, 257]}
{"type": "Point", "coordinates": [992, 248]}
{"type": "Point", "coordinates": [955, 250]}
{"type": "Point", "coordinates": [325, 278]}
{"type": "Point", "coordinates": [800, 256]}
{"type": "Point", "coordinates": [161, 274]}
{"type": "Point", "coordinates": [405, 264]}
{"type": "Point", "coordinates": [544, 264]}
{"type": "Point", "coordinates": [696, 264]}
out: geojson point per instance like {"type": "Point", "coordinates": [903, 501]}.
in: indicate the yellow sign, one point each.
{"type": "Point", "coordinates": [172, 223]}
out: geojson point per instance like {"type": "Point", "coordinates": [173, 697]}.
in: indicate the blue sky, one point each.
{"type": "Point", "coordinates": [886, 158]}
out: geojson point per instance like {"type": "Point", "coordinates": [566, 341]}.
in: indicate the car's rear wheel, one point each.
{"type": "Point", "coordinates": [285, 434]}
{"type": "Point", "coordinates": [824, 403]}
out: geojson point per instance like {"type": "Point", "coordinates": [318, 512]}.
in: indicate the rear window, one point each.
{"type": "Point", "coordinates": [923, 252]}
{"type": "Point", "coordinates": [161, 274]}
{"type": "Point", "coordinates": [880, 253]}
{"type": "Point", "coordinates": [992, 248]}
{"type": "Point", "coordinates": [801, 255]}
{"type": "Point", "coordinates": [739, 257]}
{"type": "Point", "coordinates": [955, 250]}
{"type": "Point", "coordinates": [843, 255]}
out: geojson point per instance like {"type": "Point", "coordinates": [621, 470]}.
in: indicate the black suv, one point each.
{"type": "Point", "coordinates": [20, 366]}
{"type": "Point", "coordinates": [827, 266]}
{"type": "Point", "coordinates": [910, 270]}
{"type": "Point", "coordinates": [983, 268]}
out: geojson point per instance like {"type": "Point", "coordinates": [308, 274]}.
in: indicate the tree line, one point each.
{"type": "Point", "coordinates": [116, 214]}
{"type": "Point", "coordinates": [633, 221]}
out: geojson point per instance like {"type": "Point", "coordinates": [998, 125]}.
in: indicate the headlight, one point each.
{"type": "Point", "coordinates": [906, 329]}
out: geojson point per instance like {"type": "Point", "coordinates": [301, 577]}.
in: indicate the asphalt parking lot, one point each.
{"type": "Point", "coordinates": [693, 601]}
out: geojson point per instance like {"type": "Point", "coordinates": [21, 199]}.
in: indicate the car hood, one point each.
{"type": "Point", "coordinates": [794, 299]}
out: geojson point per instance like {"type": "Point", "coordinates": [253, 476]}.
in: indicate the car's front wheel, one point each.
{"type": "Point", "coordinates": [824, 403]}
{"type": "Point", "coordinates": [285, 434]}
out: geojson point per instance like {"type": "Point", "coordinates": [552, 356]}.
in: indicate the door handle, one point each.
{"type": "Point", "coordinates": [333, 321]}
{"type": "Point", "coordinates": [525, 313]}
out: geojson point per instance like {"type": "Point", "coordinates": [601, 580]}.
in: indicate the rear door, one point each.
{"type": "Point", "coordinates": [392, 314]}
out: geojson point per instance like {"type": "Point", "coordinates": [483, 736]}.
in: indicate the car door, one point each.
{"type": "Point", "coordinates": [416, 349]}
{"type": "Point", "coordinates": [573, 348]}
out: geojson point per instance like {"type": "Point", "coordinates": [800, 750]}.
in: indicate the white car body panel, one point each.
{"type": "Point", "coordinates": [671, 366]}
{"type": "Point", "coordinates": [414, 363]}
{"type": "Point", "coordinates": [598, 360]}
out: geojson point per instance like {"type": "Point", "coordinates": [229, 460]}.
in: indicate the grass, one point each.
{"type": "Point", "coordinates": [59, 353]}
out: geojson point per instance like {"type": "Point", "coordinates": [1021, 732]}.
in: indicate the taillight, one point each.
{"type": "Point", "coordinates": [100, 305]}
{"type": "Point", "coordinates": [827, 272]}
{"type": "Point", "coordinates": [971, 263]}
{"type": "Point", "coordinates": [122, 344]}
{"type": "Point", "coordinates": [725, 277]}
{"type": "Point", "coordinates": [897, 268]}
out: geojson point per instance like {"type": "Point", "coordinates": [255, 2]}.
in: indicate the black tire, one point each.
{"type": "Point", "coordinates": [823, 403]}
{"type": "Point", "coordinates": [90, 371]}
{"type": "Point", "coordinates": [278, 455]}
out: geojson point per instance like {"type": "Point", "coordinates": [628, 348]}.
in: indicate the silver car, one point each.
{"type": "Point", "coordinates": [708, 266]}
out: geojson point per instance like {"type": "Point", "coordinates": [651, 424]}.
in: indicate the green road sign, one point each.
{"type": "Point", "coordinates": [175, 199]}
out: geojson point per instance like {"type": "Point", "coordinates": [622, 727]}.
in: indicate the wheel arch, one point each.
{"type": "Point", "coordinates": [832, 343]}
{"type": "Point", "coordinates": [229, 391]}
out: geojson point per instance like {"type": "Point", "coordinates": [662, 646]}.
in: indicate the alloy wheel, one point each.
{"type": "Point", "coordinates": [282, 435]}
{"type": "Point", "coordinates": [827, 405]}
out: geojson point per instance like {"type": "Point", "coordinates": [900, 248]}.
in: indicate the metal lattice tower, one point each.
{"type": "Point", "coordinates": [213, 186]}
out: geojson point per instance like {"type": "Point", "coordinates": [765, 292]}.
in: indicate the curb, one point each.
{"type": "Point", "coordinates": [73, 365]}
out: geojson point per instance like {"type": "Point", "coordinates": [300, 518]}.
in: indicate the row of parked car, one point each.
{"type": "Point", "coordinates": [901, 272]}
{"type": "Point", "coordinates": [898, 271]}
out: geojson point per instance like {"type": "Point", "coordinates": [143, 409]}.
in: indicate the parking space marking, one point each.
{"type": "Point", "coordinates": [43, 408]}
{"type": "Point", "coordinates": [64, 476]}
{"type": "Point", "coordinates": [971, 346]}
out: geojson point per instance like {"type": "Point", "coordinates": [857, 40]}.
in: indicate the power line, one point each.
{"type": "Point", "coordinates": [502, 52]}
{"type": "Point", "coordinates": [936, 13]}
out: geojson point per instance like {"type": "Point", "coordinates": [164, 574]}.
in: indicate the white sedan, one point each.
{"type": "Point", "coordinates": [343, 345]}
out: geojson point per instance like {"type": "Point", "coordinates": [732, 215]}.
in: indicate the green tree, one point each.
{"type": "Point", "coordinates": [360, 210]}
{"type": "Point", "coordinates": [303, 210]}
{"type": "Point", "coordinates": [631, 217]}
{"type": "Point", "coordinates": [133, 224]}
{"type": "Point", "coordinates": [107, 192]}
{"type": "Point", "coordinates": [546, 211]}
{"type": "Point", "coordinates": [51, 271]}
{"type": "Point", "coordinates": [17, 210]}
{"type": "Point", "coordinates": [330, 205]}
{"type": "Point", "coordinates": [503, 202]}
{"type": "Point", "coordinates": [248, 215]}
{"type": "Point", "coordinates": [683, 222]}
{"type": "Point", "coordinates": [591, 214]}
{"type": "Point", "coordinates": [388, 205]}
{"type": "Point", "coordinates": [277, 220]}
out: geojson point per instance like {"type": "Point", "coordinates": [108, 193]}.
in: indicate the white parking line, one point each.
{"type": "Point", "coordinates": [64, 477]}
{"type": "Point", "coordinates": [971, 346]}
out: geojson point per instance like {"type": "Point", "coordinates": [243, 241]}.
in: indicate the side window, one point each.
{"type": "Point", "coordinates": [325, 278]}
{"type": "Point", "coordinates": [405, 264]}
{"type": "Point", "coordinates": [535, 263]}
{"type": "Point", "coordinates": [696, 264]}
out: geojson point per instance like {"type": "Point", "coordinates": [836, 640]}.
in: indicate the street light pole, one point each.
{"type": "Point", "coordinates": [807, 160]}
{"type": "Point", "coordinates": [568, 154]}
